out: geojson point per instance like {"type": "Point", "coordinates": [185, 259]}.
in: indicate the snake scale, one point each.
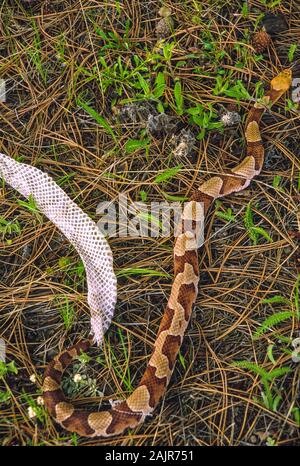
{"type": "Point", "coordinates": [144, 399]}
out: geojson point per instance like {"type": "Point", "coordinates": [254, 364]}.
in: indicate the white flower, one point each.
{"type": "Point", "coordinates": [32, 378]}
{"type": "Point", "coordinates": [40, 400]}
{"type": "Point", "coordinates": [77, 378]}
{"type": "Point", "coordinates": [31, 412]}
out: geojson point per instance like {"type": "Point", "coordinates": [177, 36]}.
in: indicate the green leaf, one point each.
{"type": "Point", "coordinates": [167, 174]}
{"type": "Point", "coordinates": [291, 52]}
{"type": "Point", "coordinates": [134, 144]}
{"type": "Point", "coordinates": [160, 107]}
{"type": "Point", "coordinates": [84, 358]}
{"type": "Point", "coordinates": [276, 181]}
{"type": "Point", "coordinates": [296, 297]}
{"type": "Point", "coordinates": [6, 368]}
{"type": "Point", "coordinates": [251, 366]}
{"type": "Point", "coordinates": [277, 299]}
{"type": "Point", "coordinates": [279, 372]}
{"type": "Point", "coordinates": [276, 401]}
{"type": "Point", "coordinates": [144, 85]}
{"type": "Point", "coordinates": [296, 413]}
{"type": "Point", "coordinates": [181, 359]}
{"type": "Point", "coordinates": [160, 85]}
{"type": "Point", "coordinates": [135, 271]}
{"type": "Point", "coordinates": [178, 97]}
{"type": "Point", "coordinates": [245, 10]}
{"type": "Point", "coordinates": [172, 198]}
{"type": "Point", "coordinates": [98, 118]}
{"type": "Point", "coordinates": [228, 215]}
{"type": "Point", "coordinates": [271, 321]}
{"type": "Point", "coordinates": [5, 396]}
{"type": "Point", "coordinates": [143, 195]}
{"type": "Point", "coordinates": [270, 354]}
{"type": "Point", "coordinates": [254, 231]}
{"type": "Point", "coordinates": [262, 232]}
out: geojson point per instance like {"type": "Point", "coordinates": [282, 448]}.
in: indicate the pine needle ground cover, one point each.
{"type": "Point", "coordinates": [146, 99]}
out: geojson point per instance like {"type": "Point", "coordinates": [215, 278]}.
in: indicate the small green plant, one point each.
{"type": "Point", "coordinates": [8, 228]}
{"type": "Point", "coordinates": [63, 180]}
{"type": "Point", "coordinates": [79, 381]}
{"type": "Point", "coordinates": [74, 439]}
{"type": "Point", "coordinates": [32, 207]}
{"type": "Point", "coordinates": [172, 198]}
{"type": "Point", "coordinates": [271, 321]}
{"type": "Point", "coordinates": [276, 183]}
{"type": "Point", "coordinates": [122, 370]}
{"type": "Point", "coordinates": [64, 262]}
{"type": "Point", "coordinates": [178, 97]}
{"type": "Point", "coordinates": [35, 52]}
{"type": "Point", "coordinates": [5, 396]}
{"type": "Point", "coordinates": [78, 269]}
{"type": "Point", "coordinates": [112, 40]}
{"type": "Point", "coordinates": [98, 118]}
{"type": "Point", "coordinates": [204, 117]}
{"type": "Point", "coordinates": [144, 272]}
{"type": "Point", "coordinates": [254, 231]}
{"type": "Point", "coordinates": [291, 52]}
{"type": "Point", "coordinates": [296, 413]}
{"type": "Point", "coordinates": [224, 214]}
{"type": "Point", "coordinates": [7, 368]}
{"type": "Point", "coordinates": [133, 145]}
{"type": "Point", "coordinates": [270, 396]}
{"type": "Point", "coordinates": [35, 410]}
{"type": "Point", "coordinates": [271, 442]}
{"type": "Point", "coordinates": [84, 358]}
{"type": "Point", "coordinates": [182, 360]}
{"type": "Point", "coordinates": [143, 195]}
{"type": "Point", "coordinates": [245, 10]}
{"type": "Point", "coordinates": [271, 4]}
{"type": "Point", "coordinates": [67, 313]}
{"type": "Point", "coordinates": [237, 91]}
{"type": "Point", "coordinates": [167, 174]}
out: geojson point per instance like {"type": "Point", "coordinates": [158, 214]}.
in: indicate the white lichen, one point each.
{"type": "Point", "coordinates": [230, 118]}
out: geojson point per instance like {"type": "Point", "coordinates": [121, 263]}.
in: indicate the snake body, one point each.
{"type": "Point", "coordinates": [144, 399]}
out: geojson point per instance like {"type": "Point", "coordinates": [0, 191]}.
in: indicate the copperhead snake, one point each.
{"type": "Point", "coordinates": [145, 398]}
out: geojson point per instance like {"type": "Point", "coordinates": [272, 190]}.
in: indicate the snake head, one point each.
{"type": "Point", "coordinates": [282, 82]}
